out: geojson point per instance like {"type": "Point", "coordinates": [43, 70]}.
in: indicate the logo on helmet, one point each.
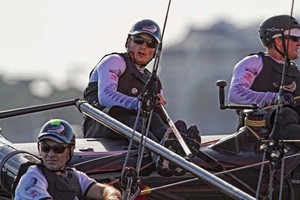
{"type": "Point", "coordinates": [60, 129]}
{"type": "Point", "coordinates": [151, 29]}
{"type": "Point", "coordinates": [273, 29]}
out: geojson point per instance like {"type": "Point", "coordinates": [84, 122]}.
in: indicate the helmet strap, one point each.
{"type": "Point", "coordinates": [284, 53]}
{"type": "Point", "coordinates": [278, 51]}
{"type": "Point", "coordinates": [70, 154]}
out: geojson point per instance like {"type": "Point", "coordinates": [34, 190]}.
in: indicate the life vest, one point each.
{"type": "Point", "coordinates": [65, 187]}
{"type": "Point", "coordinates": [269, 79]}
{"type": "Point", "coordinates": [131, 82]}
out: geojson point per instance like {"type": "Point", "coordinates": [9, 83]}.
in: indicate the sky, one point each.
{"type": "Point", "coordinates": [53, 38]}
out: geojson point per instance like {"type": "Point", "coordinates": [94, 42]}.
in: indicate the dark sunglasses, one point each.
{"type": "Point", "coordinates": [59, 148]}
{"type": "Point", "coordinates": [139, 40]}
{"type": "Point", "coordinates": [293, 38]}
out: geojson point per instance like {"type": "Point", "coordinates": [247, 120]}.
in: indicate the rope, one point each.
{"type": "Point", "coordinates": [255, 123]}
{"type": "Point", "coordinates": [283, 140]}
{"type": "Point", "coordinates": [253, 132]}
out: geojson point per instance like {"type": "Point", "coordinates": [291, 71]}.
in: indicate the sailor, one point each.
{"type": "Point", "coordinates": [118, 80]}
{"type": "Point", "coordinates": [52, 179]}
{"type": "Point", "coordinates": [257, 78]}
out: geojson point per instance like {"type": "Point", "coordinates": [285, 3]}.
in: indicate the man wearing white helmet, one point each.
{"type": "Point", "coordinates": [257, 78]}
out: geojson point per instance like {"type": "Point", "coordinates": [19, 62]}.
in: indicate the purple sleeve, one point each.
{"type": "Point", "coordinates": [108, 72]}
{"type": "Point", "coordinates": [32, 185]}
{"type": "Point", "coordinates": [244, 74]}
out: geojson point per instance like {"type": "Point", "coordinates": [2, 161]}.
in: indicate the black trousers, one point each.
{"type": "Point", "coordinates": [289, 121]}
{"type": "Point", "coordinates": [157, 128]}
{"type": "Point", "coordinates": [288, 127]}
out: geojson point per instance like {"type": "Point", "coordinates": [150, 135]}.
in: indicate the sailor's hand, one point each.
{"type": "Point", "coordinates": [111, 193]}
{"type": "Point", "coordinates": [161, 100]}
{"type": "Point", "coordinates": [288, 98]}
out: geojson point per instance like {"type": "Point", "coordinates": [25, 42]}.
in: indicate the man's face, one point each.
{"type": "Point", "coordinates": [142, 48]}
{"type": "Point", "coordinates": [293, 47]}
{"type": "Point", "coordinates": [54, 155]}
{"type": "Point", "coordinates": [292, 43]}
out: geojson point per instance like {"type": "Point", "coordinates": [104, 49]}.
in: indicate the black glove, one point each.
{"type": "Point", "coordinates": [288, 98]}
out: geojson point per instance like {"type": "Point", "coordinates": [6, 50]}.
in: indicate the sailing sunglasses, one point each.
{"type": "Point", "coordinates": [139, 40]}
{"type": "Point", "coordinates": [59, 148]}
{"type": "Point", "coordinates": [293, 38]}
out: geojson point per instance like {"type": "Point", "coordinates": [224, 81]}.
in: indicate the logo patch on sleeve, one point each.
{"type": "Point", "coordinates": [248, 76]}
{"type": "Point", "coordinates": [32, 192]}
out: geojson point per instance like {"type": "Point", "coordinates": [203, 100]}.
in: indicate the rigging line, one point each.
{"type": "Point", "coordinates": [146, 191]}
{"type": "Point", "coordinates": [156, 61]}
{"type": "Point", "coordinates": [283, 160]}
{"type": "Point", "coordinates": [286, 58]}
{"type": "Point", "coordinates": [271, 181]}
{"type": "Point", "coordinates": [130, 142]}
{"type": "Point", "coordinates": [158, 52]}
{"type": "Point", "coordinates": [281, 179]}
{"type": "Point", "coordinates": [143, 141]}
{"type": "Point", "coordinates": [260, 175]}
{"type": "Point", "coordinates": [192, 179]}
{"type": "Point", "coordinates": [126, 182]}
{"type": "Point", "coordinates": [257, 164]}
{"type": "Point", "coordinates": [279, 105]}
{"type": "Point", "coordinates": [242, 183]}
{"type": "Point", "coordinates": [216, 173]}
{"type": "Point", "coordinates": [289, 30]}
{"type": "Point", "coordinates": [276, 134]}
{"type": "Point", "coordinates": [159, 48]}
{"type": "Point", "coordinates": [289, 141]}
{"type": "Point", "coordinates": [253, 132]}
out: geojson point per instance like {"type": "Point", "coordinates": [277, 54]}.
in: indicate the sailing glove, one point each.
{"type": "Point", "coordinates": [288, 98]}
